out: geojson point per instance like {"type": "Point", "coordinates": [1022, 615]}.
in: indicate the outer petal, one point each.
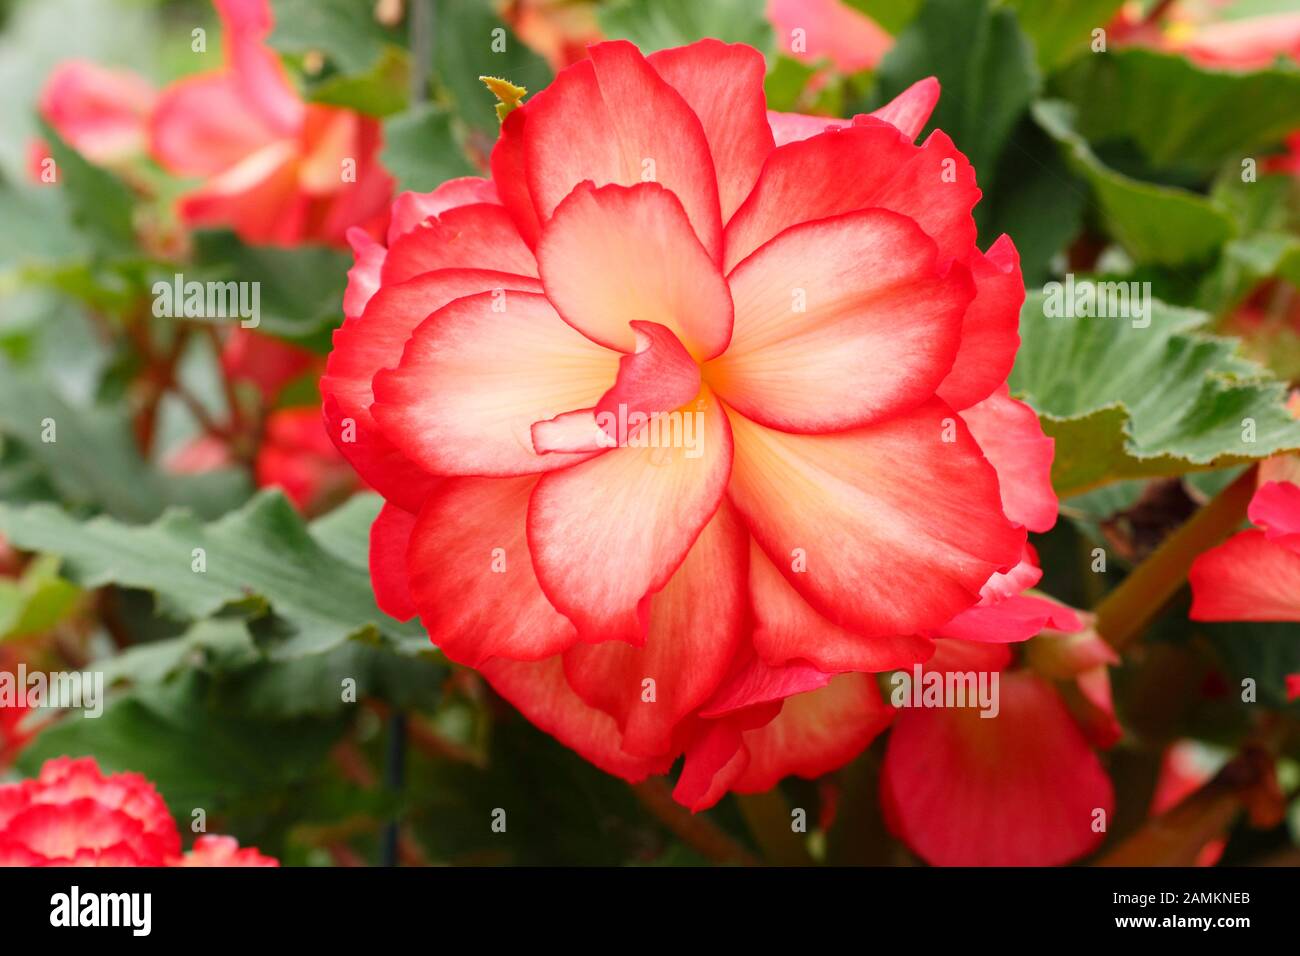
{"type": "Point", "coordinates": [1276, 508]}
{"type": "Point", "coordinates": [839, 323]}
{"type": "Point", "coordinates": [471, 576]}
{"type": "Point", "coordinates": [910, 110]}
{"type": "Point", "coordinates": [714, 760]}
{"type": "Point", "coordinates": [696, 624]}
{"type": "Point", "coordinates": [872, 165]}
{"type": "Point", "coordinates": [792, 127]}
{"type": "Point", "coordinates": [604, 120]}
{"type": "Point", "coordinates": [735, 124]}
{"type": "Point", "coordinates": [1019, 789]}
{"type": "Point", "coordinates": [540, 692]}
{"type": "Point", "coordinates": [990, 334]}
{"type": "Point", "coordinates": [900, 528]}
{"type": "Point", "coordinates": [389, 537]}
{"type": "Point", "coordinates": [786, 629]}
{"type": "Point", "coordinates": [510, 175]}
{"type": "Point", "coordinates": [411, 209]}
{"type": "Point", "coordinates": [613, 255]}
{"type": "Point", "coordinates": [1247, 578]}
{"type": "Point", "coordinates": [363, 278]}
{"type": "Point", "coordinates": [609, 532]}
{"type": "Point", "coordinates": [479, 236]}
{"type": "Point", "coordinates": [815, 733]}
{"type": "Point", "coordinates": [753, 682]}
{"type": "Point", "coordinates": [1010, 620]}
{"type": "Point", "coordinates": [475, 377]}
{"type": "Point", "coordinates": [364, 346]}
{"type": "Point", "coordinates": [1011, 438]}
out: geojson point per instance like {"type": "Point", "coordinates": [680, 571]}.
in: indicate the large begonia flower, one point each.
{"type": "Point", "coordinates": [277, 170]}
{"type": "Point", "coordinates": [820, 340]}
{"type": "Point", "coordinates": [71, 814]}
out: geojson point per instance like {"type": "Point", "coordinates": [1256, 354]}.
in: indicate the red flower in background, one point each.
{"type": "Point", "coordinates": [101, 113]}
{"type": "Point", "coordinates": [294, 452]}
{"type": "Point", "coordinates": [819, 308]}
{"type": "Point", "coordinates": [277, 170]}
{"type": "Point", "coordinates": [832, 31]}
{"type": "Point", "coordinates": [74, 815]}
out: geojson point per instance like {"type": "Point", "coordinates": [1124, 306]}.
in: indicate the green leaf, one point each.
{"type": "Point", "coordinates": [300, 290]}
{"type": "Point", "coordinates": [1062, 31]}
{"type": "Point", "coordinates": [1181, 116]}
{"type": "Point", "coordinates": [199, 757]}
{"type": "Point", "coordinates": [88, 454]}
{"type": "Point", "coordinates": [260, 555]}
{"type": "Point", "coordinates": [656, 24]}
{"type": "Point", "coordinates": [984, 64]}
{"type": "Point", "coordinates": [344, 31]}
{"type": "Point", "coordinates": [98, 202]}
{"type": "Point", "coordinates": [1157, 224]}
{"type": "Point", "coordinates": [471, 41]}
{"type": "Point", "coordinates": [380, 91]}
{"type": "Point", "coordinates": [421, 150]}
{"type": "Point", "coordinates": [37, 601]}
{"type": "Point", "coordinates": [1135, 402]}
{"type": "Point", "coordinates": [213, 643]}
{"type": "Point", "coordinates": [892, 15]}
{"type": "Point", "coordinates": [345, 531]}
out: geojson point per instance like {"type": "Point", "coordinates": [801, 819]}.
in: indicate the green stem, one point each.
{"type": "Point", "coordinates": [768, 817]}
{"type": "Point", "coordinates": [1127, 611]}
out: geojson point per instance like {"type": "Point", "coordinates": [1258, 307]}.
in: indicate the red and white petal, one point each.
{"type": "Point", "coordinates": [752, 682]}
{"type": "Point", "coordinates": [389, 537]}
{"type": "Point", "coordinates": [363, 346]}
{"type": "Point", "coordinates": [615, 255]}
{"type": "Point", "coordinates": [787, 629]}
{"type": "Point", "coordinates": [723, 84]}
{"type": "Point", "coordinates": [538, 689]}
{"type": "Point", "coordinates": [841, 322]}
{"type": "Point", "coordinates": [696, 624]}
{"type": "Point", "coordinates": [792, 127]}
{"type": "Point", "coordinates": [1247, 578]}
{"type": "Point", "coordinates": [872, 165]}
{"type": "Point", "coordinates": [410, 209]}
{"type": "Point", "coordinates": [990, 333]}
{"type": "Point", "coordinates": [477, 374]}
{"type": "Point", "coordinates": [1019, 789]}
{"type": "Point", "coordinates": [479, 236]}
{"type": "Point", "coordinates": [1012, 440]}
{"type": "Point", "coordinates": [658, 377]}
{"type": "Point", "coordinates": [613, 119]}
{"type": "Point", "coordinates": [910, 110]}
{"type": "Point", "coordinates": [471, 576]}
{"type": "Point", "coordinates": [608, 533]}
{"type": "Point", "coordinates": [510, 176]}
{"type": "Point", "coordinates": [1010, 620]}
{"type": "Point", "coordinates": [900, 527]}
{"type": "Point", "coordinates": [363, 278]}
{"type": "Point", "coordinates": [815, 733]}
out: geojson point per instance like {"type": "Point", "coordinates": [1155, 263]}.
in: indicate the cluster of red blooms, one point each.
{"type": "Point", "coordinates": [71, 814]}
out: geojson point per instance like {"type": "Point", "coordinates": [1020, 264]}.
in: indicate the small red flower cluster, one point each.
{"type": "Point", "coordinates": [74, 815]}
